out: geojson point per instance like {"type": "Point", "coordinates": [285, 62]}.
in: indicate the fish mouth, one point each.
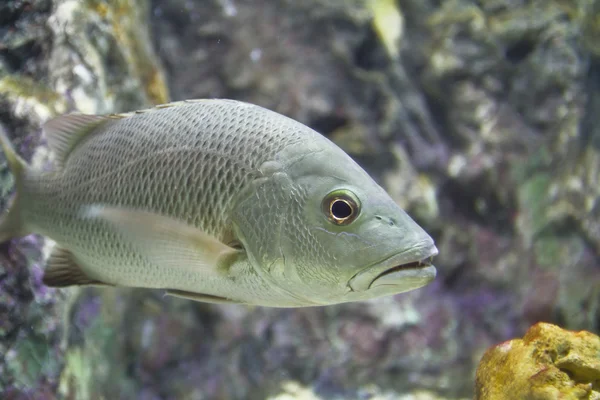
{"type": "Point", "coordinates": [407, 270]}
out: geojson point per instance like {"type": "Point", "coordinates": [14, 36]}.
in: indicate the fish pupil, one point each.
{"type": "Point", "coordinates": [341, 209]}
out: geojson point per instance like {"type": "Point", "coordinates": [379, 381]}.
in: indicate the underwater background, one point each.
{"type": "Point", "coordinates": [479, 117]}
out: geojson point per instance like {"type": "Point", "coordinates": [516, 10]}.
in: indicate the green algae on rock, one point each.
{"type": "Point", "coordinates": [101, 57]}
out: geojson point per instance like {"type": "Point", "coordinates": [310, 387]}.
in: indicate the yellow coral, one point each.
{"type": "Point", "coordinates": [548, 363]}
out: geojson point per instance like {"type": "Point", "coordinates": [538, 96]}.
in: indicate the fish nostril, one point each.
{"type": "Point", "coordinates": [389, 221]}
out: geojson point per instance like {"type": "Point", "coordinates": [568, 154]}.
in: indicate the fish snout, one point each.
{"type": "Point", "coordinates": [408, 269]}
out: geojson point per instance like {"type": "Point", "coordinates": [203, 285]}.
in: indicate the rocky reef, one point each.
{"type": "Point", "coordinates": [477, 116]}
{"type": "Point", "coordinates": [548, 363]}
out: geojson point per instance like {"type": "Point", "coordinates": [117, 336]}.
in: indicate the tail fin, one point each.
{"type": "Point", "coordinates": [11, 224]}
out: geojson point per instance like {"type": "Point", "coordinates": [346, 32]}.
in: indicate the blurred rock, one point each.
{"type": "Point", "coordinates": [294, 391]}
{"type": "Point", "coordinates": [548, 363]}
{"type": "Point", "coordinates": [59, 56]}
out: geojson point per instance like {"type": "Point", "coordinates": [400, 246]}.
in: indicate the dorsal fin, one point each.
{"type": "Point", "coordinates": [64, 132]}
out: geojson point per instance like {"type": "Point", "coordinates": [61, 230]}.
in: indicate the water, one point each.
{"type": "Point", "coordinates": [480, 123]}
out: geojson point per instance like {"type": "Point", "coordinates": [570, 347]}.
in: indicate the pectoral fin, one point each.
{"type": "Point", "coordinates": [63, 270]}
{"type": "Point", "coordinates": [205, 298]}
{"type": "Point", "coordinates": [166, 241]}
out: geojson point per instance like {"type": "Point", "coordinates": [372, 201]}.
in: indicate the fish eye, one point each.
{"type": "Point", "coordinates": [341, 207]}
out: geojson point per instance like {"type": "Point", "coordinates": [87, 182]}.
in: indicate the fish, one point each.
{"type": "Point", "coordinates": [217, 201]}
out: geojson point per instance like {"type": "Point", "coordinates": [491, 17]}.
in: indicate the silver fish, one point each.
{"type": "Point", "coordinates": [217, 201]}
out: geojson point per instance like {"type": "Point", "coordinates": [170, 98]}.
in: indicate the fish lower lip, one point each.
{"type": "Point", "coordinates": [402, 280]}
{"type": "Point", "coordinates": [405, 271]}
{"type": "Point", "coordinates": [412, 265]}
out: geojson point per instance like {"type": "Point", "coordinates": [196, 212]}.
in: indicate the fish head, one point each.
{"type": "Point", "coordinates": [320, 230]}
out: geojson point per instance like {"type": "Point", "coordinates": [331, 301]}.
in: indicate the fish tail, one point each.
{"type": "Point", "coordinates": [11, 223]}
